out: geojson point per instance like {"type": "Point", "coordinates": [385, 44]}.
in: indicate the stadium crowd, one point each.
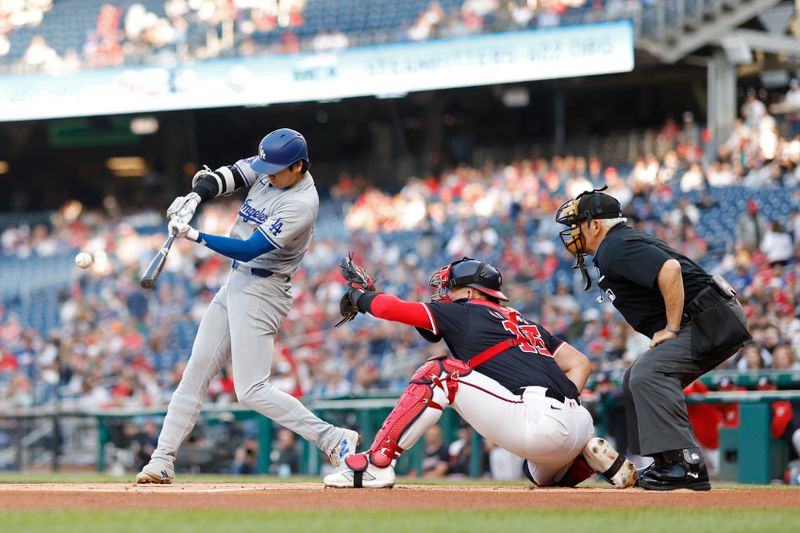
{"type": "Point", "coordinates": [161, 31]}
{"type": "Point", "coordinates": [117, 345]}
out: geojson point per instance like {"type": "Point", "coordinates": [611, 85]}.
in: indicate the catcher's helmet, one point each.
{"type": "Point", "coordinates": [279, 150]}
{"type": "Point", "coordinates": [468, 272]}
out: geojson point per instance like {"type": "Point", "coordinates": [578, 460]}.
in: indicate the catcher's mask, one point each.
{"type": "Point", "coordinates": [467, 272]}
{"type": "Point", "coordinates": [584, 207]}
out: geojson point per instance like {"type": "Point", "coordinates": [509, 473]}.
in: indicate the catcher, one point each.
{"type": "Point", "coordinates": [508, 377]}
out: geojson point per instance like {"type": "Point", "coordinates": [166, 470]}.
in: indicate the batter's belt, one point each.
{"type": "Point", "coordinates": [258, 272]}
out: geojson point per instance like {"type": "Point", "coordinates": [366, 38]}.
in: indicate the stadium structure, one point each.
{"type": "Point", "coordinates": [436, 129]}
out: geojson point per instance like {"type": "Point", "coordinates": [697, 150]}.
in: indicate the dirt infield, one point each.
{"type": "Point", "coordinates": [313, 496]}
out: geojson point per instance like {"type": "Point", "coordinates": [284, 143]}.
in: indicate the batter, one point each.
{"type": "Point", "coordinates": [272, 233]}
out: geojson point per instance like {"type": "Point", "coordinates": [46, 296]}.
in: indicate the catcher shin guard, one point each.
{"type": "Point", "coordinates": [433, 386]}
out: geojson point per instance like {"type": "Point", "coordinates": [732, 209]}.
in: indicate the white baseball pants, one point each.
{"type": "Point", "coordinates": [547, 432]}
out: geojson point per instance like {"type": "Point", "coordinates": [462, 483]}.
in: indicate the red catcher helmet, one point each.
{"type": "Point", "coordinates": [467, 272]}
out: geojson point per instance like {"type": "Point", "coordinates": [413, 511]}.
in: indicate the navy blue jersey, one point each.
{"type": "Point", "coordinates": [469, 327]}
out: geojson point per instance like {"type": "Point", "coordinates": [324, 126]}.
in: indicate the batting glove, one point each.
{"type": "Point", "coordinates": [182, 208]}
{"type": "Point", "coordinates": [182, 229]}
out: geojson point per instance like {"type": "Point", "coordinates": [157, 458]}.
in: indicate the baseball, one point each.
{"type": "Point", "coordinates": [84, 260]}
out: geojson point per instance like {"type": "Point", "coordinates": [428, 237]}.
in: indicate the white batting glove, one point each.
{"type": "Point", "coordinates": [182, 208]}
{"type": "Point", "coordinates": [182, 229]}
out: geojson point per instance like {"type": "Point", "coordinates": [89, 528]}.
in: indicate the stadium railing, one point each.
{"type": "Point", "coordinates": [748, 452]}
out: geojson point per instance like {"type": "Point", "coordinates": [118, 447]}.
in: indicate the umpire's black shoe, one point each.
{"type": "Point", "coordinates": [642, 471]}
{"type": "Point", "coordinates": [678, 469]}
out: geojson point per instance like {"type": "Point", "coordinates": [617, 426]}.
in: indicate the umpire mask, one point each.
{"type": "Point", "coordinates": [584, 207]}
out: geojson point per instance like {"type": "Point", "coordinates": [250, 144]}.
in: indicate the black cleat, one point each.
{"type": "Point", "coordinates": [642, 471]}
{"type": "Point", "coordinates": [687, 472]}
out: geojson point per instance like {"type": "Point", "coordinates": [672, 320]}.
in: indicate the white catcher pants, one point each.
{"type": "Point", "coordinates": [240, 326]}
{"type": "Point", "coordinates": [546, 432]}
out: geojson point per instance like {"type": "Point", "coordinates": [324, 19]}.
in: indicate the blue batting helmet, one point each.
{"type": "Point", "coordinates": [279, 150]}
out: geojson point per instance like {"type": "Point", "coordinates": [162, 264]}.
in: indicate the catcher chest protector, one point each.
{"type": "Point", "coordinates": [433, 386]}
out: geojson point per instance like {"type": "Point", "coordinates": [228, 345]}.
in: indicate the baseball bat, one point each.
{"type": "Point", "coordinates": [154, 269]}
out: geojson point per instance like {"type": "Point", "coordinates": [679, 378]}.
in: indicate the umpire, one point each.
{"type": "Point", "coordinates": [693, 320]}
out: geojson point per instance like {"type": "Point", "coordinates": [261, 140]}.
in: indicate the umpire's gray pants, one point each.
{"type": "Point", "coordinates": [240, 326]}
{"type": "Point", "coordinates": [653, 385]}
{"type": "Point", "coordinates": [654, 399]}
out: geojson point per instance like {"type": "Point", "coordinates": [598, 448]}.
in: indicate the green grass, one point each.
{"type": "Point", "coordinates": [357, 520]}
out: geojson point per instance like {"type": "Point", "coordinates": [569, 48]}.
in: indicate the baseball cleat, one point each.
{"type": "Point", "coordinates": [612, 466]}
{"type": "Point", "coordinates": [156, 471]}
{"type": "Point", "coordinates": [358, 472]}
{"type": "Point", "coordinates": [684, 469]}
{"type": "Point", "coordinates": [673, 477]}
{"type": "Point", "coordinates": [345, 447]}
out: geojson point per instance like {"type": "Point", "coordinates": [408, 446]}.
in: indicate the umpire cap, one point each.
{"type": "Point", "coordinates": [598, 205]}
{"type": "Point", "coordinates": [280, 149]}
{"type": "Point", "coordinates": [587, 206]}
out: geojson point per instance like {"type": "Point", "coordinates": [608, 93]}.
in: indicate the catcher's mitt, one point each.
{"type": "Point", "coordinates": [359, 282]}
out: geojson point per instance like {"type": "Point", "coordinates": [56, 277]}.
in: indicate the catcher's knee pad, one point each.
{"type": "Point", "coordinates": [433, 386]}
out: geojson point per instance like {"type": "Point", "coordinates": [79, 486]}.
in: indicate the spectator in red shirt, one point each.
{"type": "Point", "coordinates": [706, 420]}
{"type": "Point", "coordinates": [729, 411]}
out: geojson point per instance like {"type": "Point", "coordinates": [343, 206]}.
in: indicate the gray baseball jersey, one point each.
{"type": "Point", "coordinates": [241, 323]}
{"type": "Point", "coordinates": [285, 217]}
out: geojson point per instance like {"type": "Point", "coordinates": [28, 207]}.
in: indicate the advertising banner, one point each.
{"type": "Point", "coordinates": [383, 71]}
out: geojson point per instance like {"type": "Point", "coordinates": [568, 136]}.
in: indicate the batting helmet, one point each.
{"type": "Point", "coordinates": [468, 272]}
{"type": "Point", "coordinates": [279, 150]}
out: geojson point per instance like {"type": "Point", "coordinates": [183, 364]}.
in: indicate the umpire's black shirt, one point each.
{"type": "Point", "coordinates": [628, 263]}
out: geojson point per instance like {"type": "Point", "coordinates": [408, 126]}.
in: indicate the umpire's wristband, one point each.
{"type": "Point", "coordinates": [364, 302]}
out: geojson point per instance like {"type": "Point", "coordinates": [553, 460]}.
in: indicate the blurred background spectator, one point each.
{"type": "Point", "coordinates": [160, 31]}
{"type": "Point", "coordinates": [284, 455]}
{"type": "Point", "coordinates": [244, 458]}
{"type": "Point", "coordinates": [436, 459]}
